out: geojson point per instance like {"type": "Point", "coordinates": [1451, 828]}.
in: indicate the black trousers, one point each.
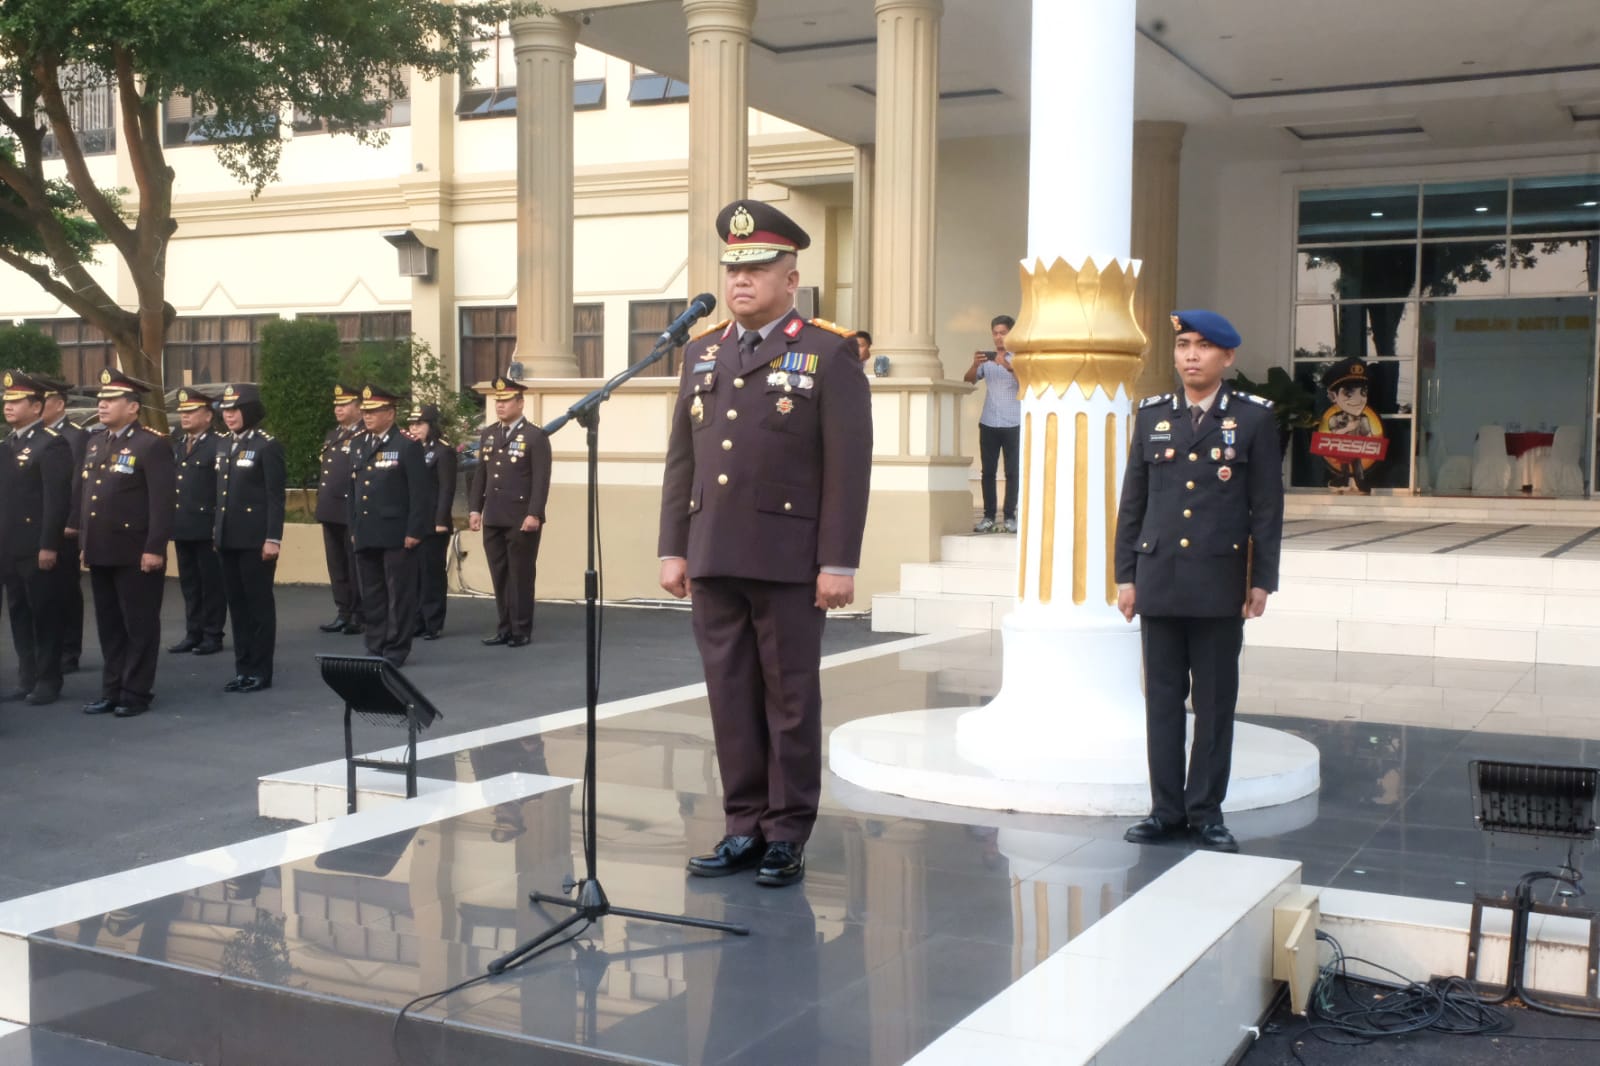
{"type": "Point", "coordinates": [389, 599]}
{"type": "Point", "coordinates": [342, 577]}
{"type": "Point", "coordinates": [35, 621]}
{"type": "Point", "coordinates": [992, 442]}
{"type": "Point", "coordinates": [69, 571]}
{"type": "Point", "coordinates": [1198, 658]}
{"type": "Point", "coordinates": [205, 604]}
{"type": "Point", "coordinates": [513, 558]}
{"type": "Point", "coordinates": [127, 614]}
{"type": "Point", "coordinates": [432, 592]}
{"type": "Point", "coordinates": [761, 646]}
{"type": "Point", "coordinates": [248, 581]}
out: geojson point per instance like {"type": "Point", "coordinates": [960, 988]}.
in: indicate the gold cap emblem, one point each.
{"type": "Point", "coordinates": [9, 380]}
{"type": "Point", "coordinates": [228, 393]}
{"type": "Point", "coordinates": [1177, 323]}
{"type": "Point", "coordinates": [105, 376]}
{"type": "Point", "coordinates": [183, 394]}
{"type": "Point", "coordinates": [742, 224]}
{"type": "Point", "coordinates": [500, 383]}
{"type": "Point", "coordinates": [366, 393]}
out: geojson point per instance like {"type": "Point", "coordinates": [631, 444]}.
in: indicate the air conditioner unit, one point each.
{"type": "Point", "coordinates": [807, 298]}
{"type": "Point", "coordinates": [417, 260]}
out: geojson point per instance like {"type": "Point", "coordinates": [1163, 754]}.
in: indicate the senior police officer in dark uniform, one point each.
{"type": "Point", "coordinates": [506, 502]}
{"type": "Point", "coordinates": [763, 504]}
{"type": "Point", "coordinates": [1198, 538]}
{"type": "Point", "coordinates": [391, 511]}
{"type": "Point", "coordinates": [249, 534]}
{"type": "Point", "coordinates": [126, 493]}
{"type": "Point", "coordinates": [194, 451]}
{"type": "Point", "coordinates": [333, 510]}
{"type": "Point", "coordinates": [38, 501]}
{"type": "Point", "coordinates": [69, 569]}
{"type": "Point", "coordinates": [432, 591]}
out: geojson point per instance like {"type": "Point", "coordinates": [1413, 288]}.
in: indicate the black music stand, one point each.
{"type": "Point", "coordinates": [375, 689]}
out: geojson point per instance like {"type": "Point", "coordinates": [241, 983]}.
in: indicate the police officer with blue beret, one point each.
{"type": "Point", "coordinates": [1198, 537]}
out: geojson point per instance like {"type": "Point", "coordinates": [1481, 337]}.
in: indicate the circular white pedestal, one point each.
{"type": "Point", "coordinates": [914, 753]}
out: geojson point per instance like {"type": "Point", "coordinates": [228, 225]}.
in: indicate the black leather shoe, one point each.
{"type": "Point", "coordinates": [99, 707]}
{"type": "Point", "coordinates": [518, 642]}
{"type": "Point", "coordinates": [130, 710]}
{"type": "Point", "coordinates": [783, 864]}
{"type": "Point", "coordinates": [434, 635]}
{"type": "Point", "coordinates": [1154, 831]}
{"type": "Point", "coordinates": [44, 694]}
{"type": "Point", "coordinates": [187, 644]}
{"type": "Point", "coordinates": [353, 629]}
{"type": "Point", "coordinates": [69, 666]}
{"type": "Point", "coordinates": [732, 854]}
{"type": "Point", "coordinates": [208, 648]}
{"type": "Point", "coordinates": [334, 626]}
{"type": "Point", "coordinates": [254, 684]}
{"type": "Point", "coordinates": [497, 640]}
{"type": "Point", "coordinates": [1215, 837]}
{"type": "Point", "coordinates": [15, 695]}
{"type": "Point", "coordinates": [236, 685]}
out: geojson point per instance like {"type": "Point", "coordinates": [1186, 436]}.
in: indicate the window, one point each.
{"type": "Point", "coordinates": [213, 349]}
{"type": "Point", "coordinates": [85, 351]}
{"type": "Point", "coordinates": [647, 320]}
{"type": "Point", "coordinates": [589, 94]}
{"type": "Point", "coordinates": [367, 327]}
{"type": "Point", "coordinates": [397, 113]}
{"type": "Point", "coordinates": [648, 87]}
{"type": "Point", "coordinates": [184, 125]}
{"type": "Point", "coordinates": [489, 341]}
{"type": "Point", "coordinates": [492, 89]}
{"type": "Point", "coordinates": [91, 108]}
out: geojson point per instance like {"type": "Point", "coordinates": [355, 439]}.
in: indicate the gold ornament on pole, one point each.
{"type": "Point", "coordinates": [1077, 327]}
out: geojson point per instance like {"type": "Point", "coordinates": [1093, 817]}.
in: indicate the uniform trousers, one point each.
{"type": "Point", "coordinates": [761, 646]}
{"type": "Point", "coordinates": [513, 558]}
{"type": "Point", "coordinates": [127, 615]}
{"type": "Point", "coordinates": [69, 571]}
{"type": "Point", "coordinates": [342, 571]}
{"type": "Point", "coordinates": [1194, 658]}
{"type": "Point", "coordinates": [205, 604]}
{"type": "Point", "coordinates": [432, 593]}
{"type": "Point", "coordinates": [388, 579]}
{"type": "Point", "coordinates": [35, 621]}
{"type": "Point", "coordinates": [247, 579]}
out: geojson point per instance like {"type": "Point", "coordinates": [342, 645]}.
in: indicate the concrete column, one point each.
{"type": "Point", "coordinates": [1157, 148]}
{"type": "Point", "coordinates": [545, 46]}
{"type": "Point", "coordinates": [861, 214]}
{"type": "Point", "coordinates": [719, 143]}
{"type": "Point", "coordinates": [427, 188]}
{"type": "Point", "coordinates": [904, 195]}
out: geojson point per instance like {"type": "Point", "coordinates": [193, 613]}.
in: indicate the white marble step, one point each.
{"type": "Point", "coordinates": [937, 612]}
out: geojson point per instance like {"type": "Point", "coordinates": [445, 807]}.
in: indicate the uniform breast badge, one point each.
{"type": "Point", "coordinates": [1216, 453]}
{"type": "Point", "coordinates": [1163, 426]}
{"type": "Point", "coordinates": [697, 410]}
{"type": "Point", "coordinates": [1224, 473]}
{"type": "Point", "coordinates": [785, 405]}
{"type": "Point", "coordinates": [777, 377]}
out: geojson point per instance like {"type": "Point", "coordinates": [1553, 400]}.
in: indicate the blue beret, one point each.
{"type": "Point", "coordinates": [1210, 325]}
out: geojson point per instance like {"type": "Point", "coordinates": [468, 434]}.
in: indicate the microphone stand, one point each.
{"type": "Point", "coordinates": [591, 903]}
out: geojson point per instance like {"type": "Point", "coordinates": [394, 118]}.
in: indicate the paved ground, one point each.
{"type": "Point", "coordinates": [85, 796]}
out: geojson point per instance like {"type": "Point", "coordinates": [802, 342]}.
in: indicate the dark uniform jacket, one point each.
{"type": "Point", "coordinates": [770, 458]}
{"type": "Point", "coordinates": [338, 464]}
{"type": "Point", "coordinates": [39, 495]}
{"type": "Point", "coordinates": [393, 495]}
{"type": "Point", "coordinates": [127, 487]}
{"type": "Point", "coordinates": [77, 439]}
{"type": "Point", "coordinates": [250, 490]}
{"type": "Point", "coordinates": [1193, 504]}
{"type": "Point", "coordinates": [441, 461]}
{"type": "Point", "coordinates": [195, 509]}
{"type": "Point", "coordinates": [512, 481]}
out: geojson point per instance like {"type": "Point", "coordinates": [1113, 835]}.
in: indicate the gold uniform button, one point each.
{"type": "Point", "coordinates": [1184, 543]}
{"type": "Point", "coordinates": [1188, 513]}
{"type": "Point", "coordinates": [738, 383]}
{"type": "Point", "coordinates": [1193, 457]}
{"type": "Point", "coordinates": [722, 479]}
{"type": "Point", "coordinates": [1235, 547]}
{"type": "Point", "coordinates": [733, 414]}
{"type": "Point", "coordinates": [787, 506]}
{"type": "Point", "coordinates": [727, 445]}
{"type": "Point", "coordinates": [1146, 544]}
{"type": "Point", "coordinates": [1189, 485]}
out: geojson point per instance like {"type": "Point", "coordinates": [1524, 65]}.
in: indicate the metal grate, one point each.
{"type": "Point", "coordinates": [1529, 799]}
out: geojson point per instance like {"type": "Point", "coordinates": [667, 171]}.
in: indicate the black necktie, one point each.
{"type": "Point", "coordinates": [1198, 413]}
{"type": "Point", "coordinates": [748, 341]}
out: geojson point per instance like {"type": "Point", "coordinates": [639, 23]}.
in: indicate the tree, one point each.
{"type": "Point", "coordinates": [299, 364]}
{"type": "Point", "coordinates": [242, 64]}
{"type": "Point", "coordinates": [30, 350]}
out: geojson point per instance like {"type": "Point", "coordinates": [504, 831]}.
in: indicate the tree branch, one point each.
{"type": "Point", "coordinates": [109, 318]}
{"type": "Point", "coordinates": [55, 108]}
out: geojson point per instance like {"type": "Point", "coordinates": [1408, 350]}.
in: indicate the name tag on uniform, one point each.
{"type": "Point", "coordinates": [705, 367]}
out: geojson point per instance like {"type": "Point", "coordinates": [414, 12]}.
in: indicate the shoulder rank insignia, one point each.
{"type": "Point", "coordinates": [792, 330]}
{"type": "Point", "coordinates": [831, 327]}
{"type": "Point", "coordinates": [724, 324]}
{"type": "Point", "coordinates": [1151, 401]}
{"type": "Point", "coordinates": [1257, 400]}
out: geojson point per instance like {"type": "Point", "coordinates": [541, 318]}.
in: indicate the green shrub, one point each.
{"type": "Point", "coordinates": [29, 350]}
{"type": "Point", "coordinates": [299, 364]}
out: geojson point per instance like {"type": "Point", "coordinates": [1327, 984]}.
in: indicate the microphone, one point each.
{"type": "Point", "coordinates": [698, 308]}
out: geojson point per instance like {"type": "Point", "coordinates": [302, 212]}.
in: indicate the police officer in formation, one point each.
{"type": "Point", "coordinates": [69, 566]}
{"type": "Point", "coordinates": [333, 510]}
{"type": "Point", "coordinates": [249, 534]}
{"type": "Point", "coordinates": [1198, 537]}
{"type": "Point", "coordinates": [38, 500]}
{"type": "Point", "coordinates": [194, 452]}
{"type": "Point", "coordinates": [126, 491]}
{"type": "Point", "coordinates": [763, 505]}
{"type": "Point", "coordinates": [434, 551]}
{"type": "Point", "coordinates": [392, 504]}
{"type": "Point", "coordinates": [506, 501]}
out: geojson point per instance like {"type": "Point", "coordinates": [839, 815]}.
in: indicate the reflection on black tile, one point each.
{"type": "Point", "coordinates": [40, 1047]}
